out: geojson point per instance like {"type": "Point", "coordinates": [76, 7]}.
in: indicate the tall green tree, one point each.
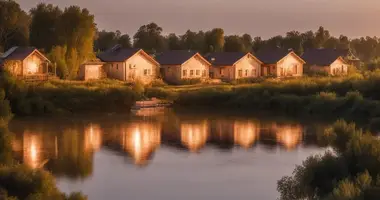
{"type": "Point", "coordinates": [193, 41]}
{"type": "Point", "coordinates": [214, 40]}
{"type": "Point", "coordinates": [149, 38]}
{"type": "Point", "coordinates": [293, 40]}
{"type": "Point", "coordinates": [125, 41]}
{"type": "Point", "coordinates": [321, 36]}
{"type": "Point", "coordinates": [248, 42]}
{"type": "Point", "coordinates": [76, 29]}
{"type": "Point", "coordinates": [43, 27]}
{"type": "Point", "coordinates": [234, 43]}
{"type": "Point", "coordinates": [14, 25]}
{"type": "Point", "coordinates": [174, 43]}
{"type": "Point", "coordinates": [106, 40]}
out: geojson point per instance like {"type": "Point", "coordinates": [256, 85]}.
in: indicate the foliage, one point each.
{"type": "Point", "coordinates": [106, 40]}
{"type": "Point", "coordinates": [351, 171]}
{"type": "Point", "coordinates": [214, 40]}
{"type": "Point", "coordinates": [14, 25]}
{"type": "Point", "coordinates": [149, 38]}
{"type": "Point", "coordinates": [43, 28]}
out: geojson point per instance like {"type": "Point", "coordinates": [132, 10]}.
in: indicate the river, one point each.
{"type": "Point", "coordinates": [167, 155]}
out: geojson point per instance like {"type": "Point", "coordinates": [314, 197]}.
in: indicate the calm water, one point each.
{"type": "Point", "coordinates": [168, 156]}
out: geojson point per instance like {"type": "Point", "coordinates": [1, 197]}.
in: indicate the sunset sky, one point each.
{"type": "Point", "coordinates": [263, 18]}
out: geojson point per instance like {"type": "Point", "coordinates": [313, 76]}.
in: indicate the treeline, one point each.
{"type": "Point", "coordinates": [69, 36]}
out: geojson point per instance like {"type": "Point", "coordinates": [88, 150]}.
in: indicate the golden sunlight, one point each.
{"type": "Point", "coordinates": [194, 135]}
{"type": "Point", "coordinates": [289, 136]}
{"type": "Point", "coordinates": [32, 150]}
{"type": "Point", "coordinates": [141, 140]}
{"type": "Point", "coordinates": [245, 133]}
{"type": "Point", "coordinates": [32, 67]}
{"type": "Point", "coordinates": [93, 137]}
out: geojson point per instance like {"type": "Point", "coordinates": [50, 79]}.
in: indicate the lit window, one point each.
{"type": "Point", "coordinates": [191, 72]}
{"type": "Point", "coordinates": [184, 73]}
{"type": "Point", "coordinates": [221, 71]}
{"type": "Point", "coordinates": [198, 72]}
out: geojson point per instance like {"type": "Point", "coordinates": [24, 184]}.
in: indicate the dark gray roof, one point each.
{"type": "Point", "coordinates": [176, 57]}
{"type": "Point", "coordinates": [18, 53]}
{"type": "Point", "coordinates": [322, 57]}
{"type": "Point", "coordinates": [224, 58]}
{"type": "Point", "coordinates": [271, 56]}
{"type": "Point", "coordinates": [117, 54]}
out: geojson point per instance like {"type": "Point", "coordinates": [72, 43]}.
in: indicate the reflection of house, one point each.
{"type": "Point", "coordinates": [140, 140]}
{"type": "Point", "coordinates": [130, 65]}
{"type": "Point", "coordinates": [245, 133]}
{"type": "Point", "coordinates": [326, 60]}
{"type": "Point", "coordinates": [194, 135]}
{"type": "Point", "coordinates": [26, 62]}
{"type": "Point", "coordinates": [280, 63]}
{"type": "Point", "coordinates": [92, 137]}
{"type": "Point", "coordinates": [289, 136]}
{"type": "Point", "coordinates": [181, 65]}
{"type": "Point", "coordinates": [233, 65]}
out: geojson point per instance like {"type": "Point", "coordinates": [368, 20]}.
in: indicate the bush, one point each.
{"type": "Point", "coordinates": [190, 81]}
{"type": "Point", "coordinates": [248, 80]}
{"type": "Point", "coordinates": [158, 83]}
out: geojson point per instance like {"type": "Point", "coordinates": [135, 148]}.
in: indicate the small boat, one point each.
{"type": "Point", "coordinates": [150, 107]}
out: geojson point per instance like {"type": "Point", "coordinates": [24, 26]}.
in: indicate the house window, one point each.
{"type": "Point", "coordinates": [184, 73]}
{"type": "Point", "coordinates": [295, 70]}
{"type": "Point", "coordinates": [253, 72]}
{"type": "Point", "coordinates": [240, 73]}
{"type": "Point", "coordinates": [246, 72]}
{"type": "Point", "coordinates": [197, 72]}
{"type": "Point", "coordinates": [117, 66]}
{"type": "Point", "coordinates": [221, 71]}
{"type": "Point", "coordinates": [145, 72]}
{"type": "Point", "coordinates": [204, 73]}
{"type": "Point", "coordinates": [149, 71]}
{"type": "Point", "coordinates": [191, 72]}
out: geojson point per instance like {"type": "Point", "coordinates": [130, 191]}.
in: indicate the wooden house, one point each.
{"type": "Point", "coordinates": [280, 63]}
{"type": "Point", "coordinates": [25, 63]}
{"type": "Point", "coordinates": [130, 65]}
{"type": "Point", "coordinates": [181, 65]}
{"type": "Point", "coordinates": [325, 60]}
{"type": "Point", "coordinates": [230, 66]}
{"type": "Point", "coordinates": [92, 70]}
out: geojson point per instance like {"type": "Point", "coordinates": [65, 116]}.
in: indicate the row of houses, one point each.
{"type": "Point", "coordinates": [175, 66]}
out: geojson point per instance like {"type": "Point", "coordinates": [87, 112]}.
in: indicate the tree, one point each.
{"type": "Point", "coordinates": [58, 57]}
{"type": "Point", "coordinates": [234, 43]}
{"type": "Point", "coordinates": [293, 40]}
{"type": "Point", "coordinates": [125, 41]}
{"type": "Point", "coordinates": [43, 28]}
{"type": "Point", "coordinates": [105, 40]}
{"type": "Point", "coordinates": [214, 40]}
{"type": "Point", "coordinates": [149, 38]}
{"type": "Point", "coordinates": [248, 43]}
{"type": "Point", "coordinates": [14, 25]}
{"type": "Point", "coordinates": [76, 30]}
{"type": "Point", "coordinates": [308, 40]}
{"type": "Point", "coordinates": [193, 41]}
{"type": "Point", "coordinates": [174, 42]}
{"type": "Point", "coordinates": [321, 36]}
{"type": "Point", "coordinates": [257, 44]}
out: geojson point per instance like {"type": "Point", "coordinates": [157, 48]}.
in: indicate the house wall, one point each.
{"type": "Point", "coordinates": [247, 67]}
{"type": "Point", "coordinates": [194, 68]}
{"type": "Point", "coordinates": [90, 72]}
{"type": "Point", "coordinates": [318, 68]}
{"type": "Point", "coordinates": [34, 64]}
{"type": "Point", "coordinates": [138, 67]}
{"type": "Point", "coordinates": [223, 72]}
{"type": "Point", "coordinates": [14, 67]}
{"type": "Point", "coordinates": [171, 73]}
{"type": "Point", "coordinates": [290, 65]}
{"type": "Point", "coordinates": [338, 67]}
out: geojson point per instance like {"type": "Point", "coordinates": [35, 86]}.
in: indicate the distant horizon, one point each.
{"type": "Point", "coordinates": [260, 18]}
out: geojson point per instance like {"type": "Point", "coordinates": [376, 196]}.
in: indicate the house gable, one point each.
{"type": "Point", "coordinates": [294, 56]}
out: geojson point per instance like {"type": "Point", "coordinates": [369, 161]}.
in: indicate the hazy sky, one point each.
{"type": "Point", "coordinates": [264, 18]}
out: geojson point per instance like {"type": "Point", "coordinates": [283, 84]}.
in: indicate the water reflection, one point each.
{"type": "Point", "coordinates": [68, 149]}
{"type": "Point", "coordinates": [140, 140]}
{"type": "Point", "coordinates": [194, 135]}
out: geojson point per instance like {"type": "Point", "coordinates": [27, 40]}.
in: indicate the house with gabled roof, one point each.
{"type": "Point", "coordinates": [181, 65]}
{"type": "Point", "coordinates": [326, 60]}
{"type": "Point", "coordinates": [230, 66]}
{"type": "Point", "coordinates": [24, 62]}
{"type": "Point", "coordinates": [280, 63]}
{"type": "Point", "coordinates": [129, 65]}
